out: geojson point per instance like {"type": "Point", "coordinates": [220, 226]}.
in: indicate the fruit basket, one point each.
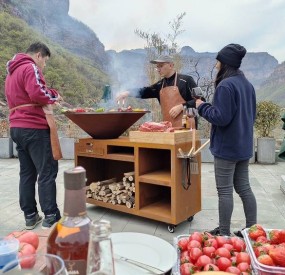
{"type": "Point", "coordinates": [259, 268]}
{"type": "Point", "coordinates": [207, 241]}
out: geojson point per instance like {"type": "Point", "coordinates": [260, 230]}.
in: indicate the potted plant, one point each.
{"type": "Point", "coordinates": [267, 118]}
{"type": "Point", "coordinates": [6, 144]}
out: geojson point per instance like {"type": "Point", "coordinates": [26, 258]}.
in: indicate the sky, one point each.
{"type": "Point", "coordinates": [208, 25]}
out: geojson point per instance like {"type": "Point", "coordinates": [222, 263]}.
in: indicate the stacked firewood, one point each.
{"type": "Point", "coordinates": [111, 191]}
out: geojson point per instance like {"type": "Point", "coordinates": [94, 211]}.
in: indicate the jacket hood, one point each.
{"type": "Point", "coordinates": [17, 61]}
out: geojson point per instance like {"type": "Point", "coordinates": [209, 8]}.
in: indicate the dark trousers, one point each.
{"type": "Point", "coordinates": [36, 165]}
{"type": "Point", "coordinates": [233, 175]}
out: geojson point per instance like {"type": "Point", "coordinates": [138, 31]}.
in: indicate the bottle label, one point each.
{"type": "Point", "coordinates": [76, 267]}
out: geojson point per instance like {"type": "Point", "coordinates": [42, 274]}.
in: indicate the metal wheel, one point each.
{"type": "Point", "coordinates": [190, 219]}
{"type": "Point", "coordinates": [171, 228]}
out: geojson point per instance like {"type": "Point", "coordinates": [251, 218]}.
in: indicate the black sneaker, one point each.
{"type": "Point", "coordinates": [238, 234]}
{"type": "Point", "coordinates": [215, 232]}
{"type": "Point", "coordinates": [32, 222]}
{"type": "Point", "coordinates": [50, 220]}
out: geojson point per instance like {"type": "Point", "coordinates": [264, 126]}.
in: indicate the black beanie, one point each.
{"type": "Point", "coordinates": [232, 55]}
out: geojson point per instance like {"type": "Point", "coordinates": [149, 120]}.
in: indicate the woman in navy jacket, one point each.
{"type": "Point", "coordinates": [232, 116]}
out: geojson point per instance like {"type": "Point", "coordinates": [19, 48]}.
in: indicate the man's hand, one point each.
{"type": "Point", "coordinates": [176, 110]}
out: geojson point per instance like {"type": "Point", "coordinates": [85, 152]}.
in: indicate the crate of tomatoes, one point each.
{"type": "Point", "coordinates": [202, 251]}
{"type": "Point", "coordinates": [266, 248]}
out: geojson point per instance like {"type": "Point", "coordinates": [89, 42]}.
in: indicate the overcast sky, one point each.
{"type": "Point", "coordinates": [209, 25]}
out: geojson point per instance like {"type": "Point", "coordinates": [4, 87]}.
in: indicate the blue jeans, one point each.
{"type": "Point", "coordinates": [233, 175]}
{"type": "Point", "coordinates": [36, 165]}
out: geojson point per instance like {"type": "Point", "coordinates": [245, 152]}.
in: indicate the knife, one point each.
{"type": "Point", "coordinates": [152, 269]}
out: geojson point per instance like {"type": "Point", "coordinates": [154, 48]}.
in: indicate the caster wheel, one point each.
{"type": "Point", "coordinates": [190, 219]}
{"type": "Point", "coordinates": [171, 228]}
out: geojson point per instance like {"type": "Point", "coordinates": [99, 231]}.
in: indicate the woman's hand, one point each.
{"type": "Point", "coordinates": [176, 110]}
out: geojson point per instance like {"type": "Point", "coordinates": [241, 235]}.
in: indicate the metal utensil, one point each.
{"type": "Point", "coordinates": [149, 268]}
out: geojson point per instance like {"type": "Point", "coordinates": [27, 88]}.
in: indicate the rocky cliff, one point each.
{"type": "Point", "coordinates": [50, 17]}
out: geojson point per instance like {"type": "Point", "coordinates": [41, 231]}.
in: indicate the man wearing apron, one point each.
{"type": "Point", "coordinates": [173, 91]}
{"type": "Point", "coordinates": [33, 129]}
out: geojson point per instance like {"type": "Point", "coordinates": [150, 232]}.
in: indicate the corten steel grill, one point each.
{"type": "Point", "coordinates": [105, 125]}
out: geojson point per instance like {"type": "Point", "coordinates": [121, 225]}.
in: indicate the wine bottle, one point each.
{"type": "Point", "coordinates": [100, 251]}
{"type": "Point", "coordinates": [69, 238]}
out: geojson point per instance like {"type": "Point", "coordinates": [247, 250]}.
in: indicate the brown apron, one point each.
{"type": "Point", "coordinates": [170, 97]}
{"type": "Point", "coordinates": [54, 140]}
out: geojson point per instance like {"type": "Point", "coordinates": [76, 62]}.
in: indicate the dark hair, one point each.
{"type": "Point", "coordinates": [39, 47]}
{"type": "Point", "coordinates": [225, 72]}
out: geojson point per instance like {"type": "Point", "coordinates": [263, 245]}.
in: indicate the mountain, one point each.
{"type": "Point", "coordinates": [51, 19]}
{"type": "Point", "coordinates": [273, 88]}
{"type": "Point", "coordinates": [128, 68]}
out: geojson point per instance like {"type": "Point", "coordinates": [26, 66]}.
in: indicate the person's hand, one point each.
{"type": "Point", "coordinates": [59, 98]}
{"type": "Point", "coordinates": [199, 102]}
{"type": "Point", "coordinates": [176, 110]}
{"type": "Point", "coordinates": [122, 95]}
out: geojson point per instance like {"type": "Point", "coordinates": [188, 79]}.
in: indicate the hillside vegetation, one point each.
{"type": "Point", "coordinates": [75, 78]}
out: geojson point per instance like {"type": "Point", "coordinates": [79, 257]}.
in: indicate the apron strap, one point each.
{"type": "Point", "coordinates": [22, 106]}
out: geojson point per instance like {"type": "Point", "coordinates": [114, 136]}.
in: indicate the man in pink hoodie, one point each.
{"type": "Point", "coordinates": [26, 94]}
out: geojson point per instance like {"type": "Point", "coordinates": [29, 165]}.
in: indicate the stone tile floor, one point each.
{"type": "Point", "coordinates": [265, 180]}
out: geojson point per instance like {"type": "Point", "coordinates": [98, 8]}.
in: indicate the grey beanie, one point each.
{"type": "Point", "coordinates": [231, 55]}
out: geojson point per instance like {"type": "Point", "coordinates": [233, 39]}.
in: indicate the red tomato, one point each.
{"type": "Point", "coordinates": [242, 257]}
{"type": "Point", "coordinates": [211, 242]}
{"type": "Point", "coordinates": [211, 267]}
{"type": "Point", "coordinates": [209, 251]}
{"type": "Point", "coordinates": [229, 247]}
{"type": "Point", "coordinates": [202, 261]}
{"type": "Point", "coordinates": [196, 236]}
{"type": "Point", "coordinates": [185, 259]}
{"type": "Point", "coordinates": [193, 243]}
{"type": "Point", "coordinates": [221, 240]}
{"type": "Point", "coordinates": [234, 260]}
{"type": "Point", "coordinates": [26, 249]}
{"type": "Point", "coordinates": [243, 267]}
{"type": "Point", "coordinates": [187, 269]}
{"type": "Point", "coordinates": [26, 237]}
{"type": "Point", "coordinates": [223, 263]}
{"type": "Point", "coordinates": [195, 253]}
{"type": "Point", "coordinates": [238, 244]}
{"type": "Point", "coordinates": [223, 252]}
{"type": "Point", "coordinates": [182, 244]}
{"type": "Point", "coordinates": [233, 270]}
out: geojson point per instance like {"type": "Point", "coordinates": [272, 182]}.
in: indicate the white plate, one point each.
{"type": "Point", "coordinates": [144, 248]}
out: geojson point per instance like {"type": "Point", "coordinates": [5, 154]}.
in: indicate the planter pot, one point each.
{"type": "Point", "coordinates": [67, 147]}
{"type": "Point", "coordinates": [266, 150]}
{"type": "Point", "coordinates": [6, 147]}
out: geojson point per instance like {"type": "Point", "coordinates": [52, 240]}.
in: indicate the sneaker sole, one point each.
{"type": "Point", "coordinates": [33, 226]}
{"type": "Point", "coordinates": [48, 227]}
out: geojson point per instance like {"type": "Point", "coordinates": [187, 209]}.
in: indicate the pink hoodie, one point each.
{"type": "Point", "coordinates": [25, 84]}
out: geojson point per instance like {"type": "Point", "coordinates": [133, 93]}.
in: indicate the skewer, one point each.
{"type": "Point", "coordinates": [199, 149]}
{"type": "Point", "coordinates": [181, 152]}
{"type": "Point", "coordinates": [190, 152]}
{"type": "Point", "coordinates": [194, 139]}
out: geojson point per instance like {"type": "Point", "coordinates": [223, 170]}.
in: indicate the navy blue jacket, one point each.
{"type": "Point", "coordinates": [232, 116]}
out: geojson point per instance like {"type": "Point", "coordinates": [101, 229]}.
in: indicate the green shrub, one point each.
{"type": "Point", "coordinates": [267, 118]}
